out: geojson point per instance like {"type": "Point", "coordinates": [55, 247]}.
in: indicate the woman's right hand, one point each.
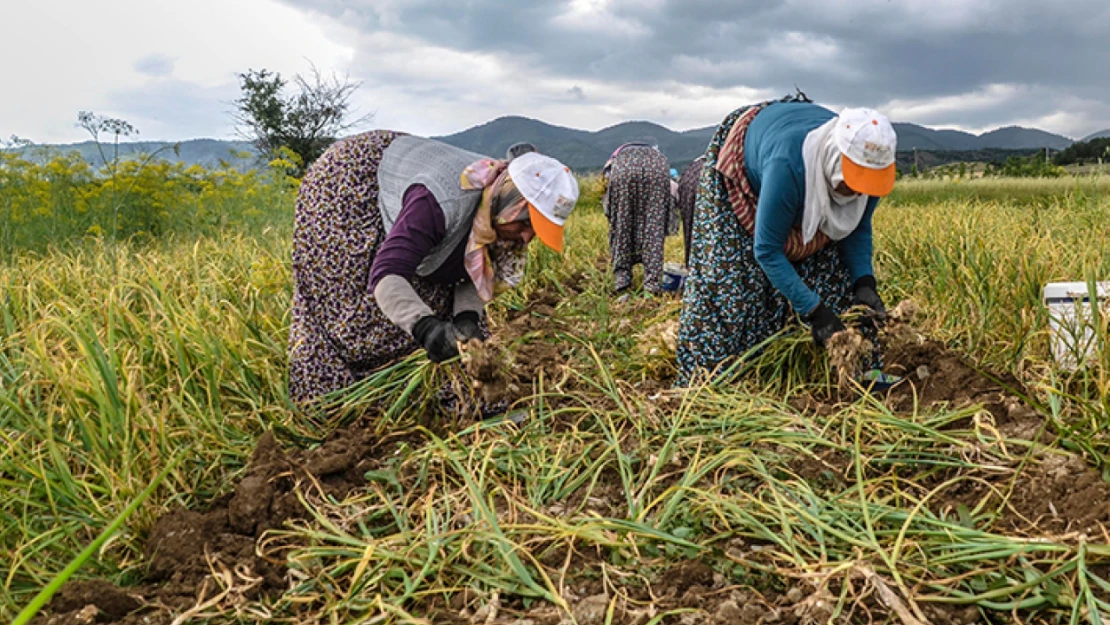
{"type": "Point", "coordinates": [823, 324]}
{"type": "Point", "coordinates": [438, 338]}
{"type": "Point", "coordinates": [468, 325]}
{"type": "Point", "coordinates": [864, 293]}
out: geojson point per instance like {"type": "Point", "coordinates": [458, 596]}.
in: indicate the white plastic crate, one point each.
{"type": "Point", "coordinates": [1070, 320]}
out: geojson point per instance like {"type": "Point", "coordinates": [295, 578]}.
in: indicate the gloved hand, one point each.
{"type": "Point", "coordinates": [466, 325]}
{"type": "Point", "coordinates": [437, 337]}
{"type": "Point", "coordinates": [866, 295]}
{"type": "Point", "coordinates": [823, 324]}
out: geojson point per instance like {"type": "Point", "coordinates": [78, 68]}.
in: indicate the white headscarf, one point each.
{"type": "Point", "coordinates": [826, 210]}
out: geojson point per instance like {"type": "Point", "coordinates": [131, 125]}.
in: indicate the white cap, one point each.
{"type": "Point", "coordinates": [868, 143]}
{"type": "Point", "coordinates": [551, 190]}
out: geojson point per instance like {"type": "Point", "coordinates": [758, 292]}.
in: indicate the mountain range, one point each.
{"type": "Point", "coordinates": [588, 150]}
{"type": "Point", "coordinates": [204, 152]}
{"type": "Point", "coordinates": [579, 149]}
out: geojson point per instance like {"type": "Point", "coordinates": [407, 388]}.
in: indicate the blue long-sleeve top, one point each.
{"type": "Point", "coordinates": [773, 160]}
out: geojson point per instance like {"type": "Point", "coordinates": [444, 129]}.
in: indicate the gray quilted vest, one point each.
{"type": "Point", "coordinates": [415, 160]}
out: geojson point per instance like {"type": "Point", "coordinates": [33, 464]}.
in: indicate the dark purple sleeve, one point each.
{"type": "Point", "coordinates": [419, 228]}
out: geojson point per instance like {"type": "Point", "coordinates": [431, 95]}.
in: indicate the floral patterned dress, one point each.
{"type": "Point", "coordinates": [337, 333]}
{"type": "Point", "coordinates": [640, 208]}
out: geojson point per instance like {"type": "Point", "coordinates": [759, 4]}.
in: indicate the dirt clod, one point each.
{"type": "Point", "coordinates": [591, 610]}
{"type": "Point", "coordinates": [728, 613]}
{"type": "Point", "coordinates": [95, 600]}
{"type": "Point", "coordinates": [754, 612]}
{"type": "Point", "coordinates": [904, 312]}
{"type": "Point", "coordinates": [815, 608]}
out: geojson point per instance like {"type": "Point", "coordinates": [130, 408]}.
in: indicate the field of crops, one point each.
{"type": "Point", "coordinates": [142, 390]}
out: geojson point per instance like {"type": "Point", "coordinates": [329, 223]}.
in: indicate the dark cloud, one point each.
{"type": "Point", "coordinates": [896, 53]}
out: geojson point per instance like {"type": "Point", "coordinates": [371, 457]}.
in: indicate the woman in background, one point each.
{"type": "Point", "coordinates": [640, 207]}
{"type": "Point", "coordinates": [687, 194]}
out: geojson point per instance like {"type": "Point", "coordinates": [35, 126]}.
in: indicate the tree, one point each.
{"type": "Point", "coordinates": [305, 122]}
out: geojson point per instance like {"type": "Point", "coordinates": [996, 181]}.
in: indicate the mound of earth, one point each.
{"type": "Point", "coordinates": [188, 549]}
{"type": "Point", "coordinates": [937, 378]}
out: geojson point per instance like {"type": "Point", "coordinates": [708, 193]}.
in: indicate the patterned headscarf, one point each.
{"type": "Point", "coordinates": [494, 265]}
{"type": "Point", "coordinates": [730, 163]}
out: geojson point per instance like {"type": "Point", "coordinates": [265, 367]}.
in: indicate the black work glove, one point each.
{"type": "Point", "coordinates": [823, 324]}
{"type": "Point", "coordinates": [437, 337]}
{"type": "Point", "coordinates": [866, 295]}
{"type": "Point", "coordinates": [466, 325]}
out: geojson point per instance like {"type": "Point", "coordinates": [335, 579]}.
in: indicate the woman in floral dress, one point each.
{"type": "Point", "coordinates": [399, 243]}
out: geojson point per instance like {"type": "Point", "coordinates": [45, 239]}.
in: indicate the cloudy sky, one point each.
{"type": "Point", "coordinates": [439, 66]}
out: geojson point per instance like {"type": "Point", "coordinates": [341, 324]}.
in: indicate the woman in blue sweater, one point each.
{"type": "Point", "coordinates": [782, 227]}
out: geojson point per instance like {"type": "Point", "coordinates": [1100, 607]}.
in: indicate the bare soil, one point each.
{"type": "Point", "coordinates": [1054, 495]}
{"type": "Point", "coordinates": [938, 378]}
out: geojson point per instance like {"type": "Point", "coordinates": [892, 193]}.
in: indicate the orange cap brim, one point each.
{"type": "Point", "coordinates": [548, 231]}
{"type": "Point", "coordinates": [874, 182]}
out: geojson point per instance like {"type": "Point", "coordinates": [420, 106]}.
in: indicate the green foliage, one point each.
{"type": "Point", "coordinates": [1095, 150]}
{"type": "Point", "coordinates": [1024, 192]}
{"type": "Point", "coordinates": [1035, 166]}
{"type": "Point", "coordinates": [114, 359]}
{"type": "Point", "coordinates": [951, 248]}
{"type": "Point", "coordinates": [54, 198]}
{"type": "Point", "coordinates": [932, 161]}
